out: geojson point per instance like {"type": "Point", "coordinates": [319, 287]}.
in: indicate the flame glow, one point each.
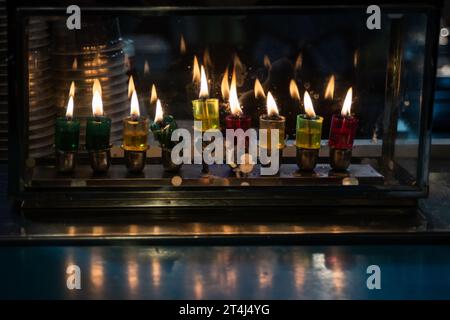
{"type": "Point", "coordinates": [224, 86]}
{"type": "Point", "coordinates": [97, 103]}
{"type": "Point", "coordinates": [153, 95]}
{"type": "Point", "coordinates": [259, 91]}
{"type": "Point", "coordinates": [329, 90]}
{"type": "Point", "coordinates": [159, 112]}
{"type": "Point", "coordinates": [207, 62]}
{"type": "Point", "coordinates": [146, 67]}
{"type": "Point", "coordinates": [182, 45]}
{"type": "Point", "coordinates": [346, 107]}
{"type": "Point", "coordinates": [75, 64]}
{"type": "Point", "coordinates": [131, 87]}
{"type": "Point", "coordinates": [234, 100]}
{"type": "Point", "coordinates": [69, 110]}
{"type": "Point", "coordinates": [195, 71]}
{"type": "Point", "coordinates": [134, 109]}
{"type": "Point", "coordinates": [204, 93]}
{"type": "Point", "coordinates": [293, 90]}
{"type": "Point", "coordinates": [127, 62]}
{"type": "Point", "coordinates": [299, 62]}
{"type": "Point", "coordinates": [272, 109]}
{"type": "Point", "coordinates": [309, 108]}
{"type": "Point", "coordinates": [267, 62]}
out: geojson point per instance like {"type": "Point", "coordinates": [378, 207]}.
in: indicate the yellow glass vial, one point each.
{"type": "Point", "coordinates": [206, 111]}
{"type": "Point", "coordinates": [135, 134]}
{"type": "Point", "coordinates": [309, 132]}
{"type": "Point", "coordinates": [270, 123]}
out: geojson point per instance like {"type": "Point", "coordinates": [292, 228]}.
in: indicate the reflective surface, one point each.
{"type": "Point", "coordinates": [413, 272]}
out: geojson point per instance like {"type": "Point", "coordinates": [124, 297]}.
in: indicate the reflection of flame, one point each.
{"type": "Point", "coordinates": [133, 279]}
{"type": "Point", "coordinates": [146, 67]}
{"type": "Point", "coordinates": [127, 61]}
{"type": "Point", "coordinates": [204, 93]}
{"type": "Point", "coordinates": [75, 64]}
{"type": "Point", "coordinates": [97, 271]}
{"type": "Point", "coordinates": [224, 87]}
{"type": "Point", "coordinates": [293, 90]}
{"type": "Point", "coordinates": [298, 62]}
{"type": "Point", "coordinates": [309, 108]}
{"type": "Point", "coordinates": [158, 112]}
{"type": "Point", "coordinates": [182, 45]}
{"type": "Point", "coordinates": [198, 286]}
{"type": "Point", "coordinates": [267, 62]}
{"type": "Point", "coordinates": [329, 91]}
{"type": "Point", "coordinates": [207, 62]}
{"type": "Point", "coordinates": [131, 87]}
{"type": "Point", "coordinates": [259, 91]}
{"type": "Point", "coordinates": [355, 58]}
{"type": "Point", "coordinates": [97, 104]}
{"type": "Point", "coordinates": [234, 101]}
{"type": "Point", "coordinates": [346, 107]}
{"type": "Point", "coordinates": [156, 272]}
{"type": "Point", "coordinates": [153, 95]}
{"type": "Point", "coordinates": [237, 63]}
{"type": "Point", "coordinates": [272, 109]}
{"type": "Point", "coordinates": [195, 71]}
{"type": "Point", "coordinates": [69, 110]}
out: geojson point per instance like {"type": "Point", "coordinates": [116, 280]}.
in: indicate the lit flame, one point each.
{"type": "Point", "coordinates": [329, 90]}
{"type": "Point", "coordinates": [158, 112]}
{"type": "Point", "coordinates": [182, 45]}
{"type": "Point", "coordinates": [293, 90]}
{"type": "Point", "coordinates": [234, 101]}
{"type": "Point", "coordinates": [299, 62]}
{"type": "Point", "coordinates": [259, 91]}
{"type": "Point", "coordinates": [153, 95]}
{"type": "Point", "coordinates": [69, 110]}
{"type": "Point", "coordinates": [309, 108]}
{"type": "Point", "coordinates": [72, 89]}
{"type": "Point", "coordinates": [224, 87]}
{"type": "Point", "coordinates": [146, 67]}
{"type": "Point", "coordinates": [97, 104]}
{"type": "Point", "coordinates": [267, 62]}
{"type": "Point", "coordinates": [134, 109]}
{"type": "Point", "coordinates": [272, 109]}
{"type": "Point", "coordinates": [204, 93]}
{"type": "Point", "coordinates": [131, 87]}
{"type": "Point", "coordinates": [195, 71]}
{"type": "Point", "coordinates": [346, 107]}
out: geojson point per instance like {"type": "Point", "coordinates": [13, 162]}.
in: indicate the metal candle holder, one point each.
{"type": "Point", "coordinates": [100, 160]}
{"type": "Point", "coordinates": [135, 160]}
{"type": "Point", "coordinates": [65, 161]}
{"type": "Point", "coordinates": [307, 158]}
{"type": "Point", "coordinates": [340, 159]}
{"type": "Point", "coordinates": [166, 158]}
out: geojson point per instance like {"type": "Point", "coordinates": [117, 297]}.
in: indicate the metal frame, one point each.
{"type": "Point", "coordinates": [208, 198]}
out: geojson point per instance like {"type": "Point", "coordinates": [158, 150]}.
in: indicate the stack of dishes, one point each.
{"type": "Point", "coordinates": [95, 51]}
{"type": "Point", "coordinates": [3, 83]}
{"type": "Point", "coordinates": [40, 85]}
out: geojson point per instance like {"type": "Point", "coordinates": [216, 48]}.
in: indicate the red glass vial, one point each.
{"type": "Point", "coordinates": [243, 122]}
{"type": "Point", "coordinates": [342, 131]}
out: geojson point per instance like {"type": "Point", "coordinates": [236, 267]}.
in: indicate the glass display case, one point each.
{"type": "Point", "coordinates": [141, 105]}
